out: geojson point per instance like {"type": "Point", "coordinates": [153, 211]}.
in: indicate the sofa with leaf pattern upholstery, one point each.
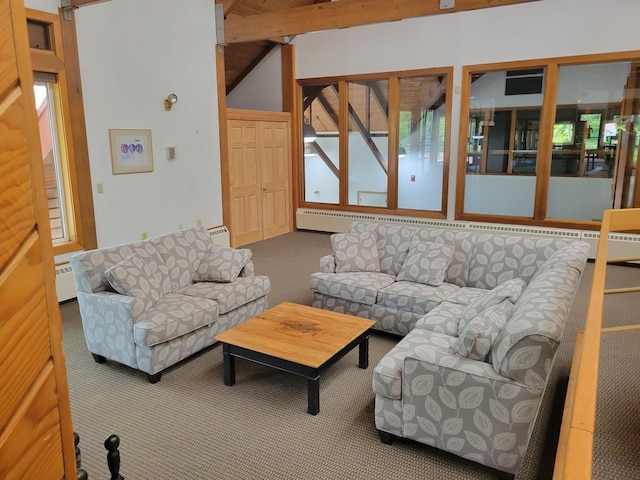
{"type": "Point", "coordinates": [480, 317]}
{"type": "Point", "coordinates": [153, 303]}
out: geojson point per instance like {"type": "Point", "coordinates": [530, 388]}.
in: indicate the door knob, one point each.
{"type": "Point", "coordinates": [264, 189]}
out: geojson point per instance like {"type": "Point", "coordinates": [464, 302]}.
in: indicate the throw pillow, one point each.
{"type": "Point", "coordinates": [355, 252]}
{"type": "Point", "coordinates": [509, 290]}
{"type": "Point", "coordinates": [134, 277]}
{"type": "Point", "coordinates": [477, 337]}
{"type": "Point", "coordinates": [222, 264]}
{"type": "Point", "coordinates": [426, 263]}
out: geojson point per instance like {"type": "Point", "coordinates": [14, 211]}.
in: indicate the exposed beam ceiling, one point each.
{"type": "Point", "coordinates": [340, 14]}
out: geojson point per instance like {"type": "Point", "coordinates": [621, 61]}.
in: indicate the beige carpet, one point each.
{"type": "Point", "coordinates": [192, 426]}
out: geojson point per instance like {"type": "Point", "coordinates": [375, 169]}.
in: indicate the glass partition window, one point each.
{"type": "Point", "coordinates": [594, 140]}
{"type": "Point", "coordinates": [502, 141]}
{"type": "Point", "coordinates": [377, 142]}
{"type": "Point", "coordinates": [421, 142]}
{"type": "Point", "coordinates": [368, 142]}
{"type": "Point", "coordinates": [321, 143]}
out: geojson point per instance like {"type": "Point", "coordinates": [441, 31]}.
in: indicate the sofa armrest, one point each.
{"type": "Point", "coordinates": [107, 320]}
{"type": "Point", "coordinates": [463, 406]}
{"type": "Point", "coordinates": [328, 264]}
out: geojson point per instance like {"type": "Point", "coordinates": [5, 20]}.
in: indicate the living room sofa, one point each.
{"type": "Point", "coordinates": [481, 317]}
{"type": "Point", "coordinates": [153, 303]}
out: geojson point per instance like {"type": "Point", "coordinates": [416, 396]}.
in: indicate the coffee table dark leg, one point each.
{"type": "Point", "coordinates": [313, 395]}
{"type": "Point", "coordinates": [229, 366]}
{"type": "Point", "coordinates": [364, 353]}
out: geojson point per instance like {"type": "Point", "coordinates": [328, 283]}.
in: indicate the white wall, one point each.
{"type": "Point", "coordinates": [133, 53]}
{"type": "Point", "coordinates": [253, 94]}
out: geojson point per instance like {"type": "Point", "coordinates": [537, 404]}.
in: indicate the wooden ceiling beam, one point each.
{"type": "Point", "coordinates": [340, 14]}
{"type": "Point", "coordinates": [82, 3]}
{"type": "Point", "coordinates": [227, 5]}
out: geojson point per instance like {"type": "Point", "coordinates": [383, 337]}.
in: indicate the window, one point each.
{"type": "Point", "coordinates": [63, 141]}
{"type": "Point", "coordinates": [381, 142]}
{"type": "Point", "coordinates": [549, 154]}
{"type": "Point", "coordinates": [46, 106]}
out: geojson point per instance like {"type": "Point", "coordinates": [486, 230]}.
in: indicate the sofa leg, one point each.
{"type": "Point", "coordinates": [386, 437]}
{"type": "Point", "coordinates": [99, 358]}
{"type": "Point", "coordinates": [155, 378]}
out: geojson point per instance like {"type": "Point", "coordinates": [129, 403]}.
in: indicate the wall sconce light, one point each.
{"type": "Point", "coordinates": [170, 101]}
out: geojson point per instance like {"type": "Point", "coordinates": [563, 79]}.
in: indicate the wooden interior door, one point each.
{"type": "Point", "coordinates": [245, 184]}
{"type": "Point", "coordinates": [276, 210]}
{"type": "Point", "coordinates": [259, 166]}
{"type": "Point", "coordinates": [36, 434]}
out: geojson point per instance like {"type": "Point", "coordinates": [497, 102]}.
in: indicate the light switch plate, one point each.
{"type": "Point", "coordinates": [171, 153]}
{"type": "Point", "coordinates": [447, 4]}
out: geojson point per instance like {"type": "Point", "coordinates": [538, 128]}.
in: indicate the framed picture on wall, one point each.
{"type": "Point", "coordinates": [131, 151]}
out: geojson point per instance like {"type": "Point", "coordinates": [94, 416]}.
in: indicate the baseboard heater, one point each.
{"type": "Point", "coordinates": [620, 245]}
{"type": "Point", "coordinates": [65, 285]}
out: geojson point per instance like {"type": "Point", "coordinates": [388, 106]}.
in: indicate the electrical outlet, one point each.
{"type": "Point", "coordinates": [100, 188]}
{"type": "Point", "coordinates": [198, 222]}
{"type": "Point", "coordinates": [180, 227]}
{"type": "Point", "coordinates": [144, 235]}
{"type": "Point", "coordinates": [447, 4]}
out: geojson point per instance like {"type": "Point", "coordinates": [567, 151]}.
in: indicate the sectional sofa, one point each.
{"type": "Point", "coordinates": [153, 303]}
{"type": "Point", "coordinates": [480, 317]}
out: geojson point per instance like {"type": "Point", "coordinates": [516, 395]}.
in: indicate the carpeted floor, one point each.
{"type": "Point", "coordinates": [191, 426]}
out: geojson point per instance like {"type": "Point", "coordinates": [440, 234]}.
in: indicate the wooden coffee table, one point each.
{"type": "Point", "coordinates": [298, 339]}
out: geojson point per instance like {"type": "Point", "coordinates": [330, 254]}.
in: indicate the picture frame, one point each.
{"type": "Point", "coordinates": [131, 151]}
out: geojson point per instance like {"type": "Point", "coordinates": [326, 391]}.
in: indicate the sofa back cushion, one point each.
{"type": "Point", "coordinates": [394, 241]}
{"type": "Point", "coordinates": [498, 258]}
{"type": "Point", "coordinates": [355, 252]}
{"type": "Point", "coordinates": [182, 252]}
{"type": "Point", "coordinates": [89, 267]}
{"type": "Point", "coordinates": [426, 262]}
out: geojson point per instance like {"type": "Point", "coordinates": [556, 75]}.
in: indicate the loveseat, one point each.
{"type": "Point", "coordinates": [153, 303]}
{"type": "Point", "coordinates": [481, 317]}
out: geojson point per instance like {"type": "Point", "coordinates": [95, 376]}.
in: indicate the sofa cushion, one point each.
{"type": "Point", "coordinates": [360, 287]}
{"type": "Point", "coordinates": [414, 297]}
{"type": "Point", "coordinates": [466, 295]}
{"type": "Point", "coordinates": [426, 263]}
{"type": "Point", "coordinates": [509, 290]}
{"type": "Point", "coordinates": [355, 252]}
{"type": "Point", "coordinates": [133, 277]}
{"type": "Point", "coordinates": [221, 264]}
{"type": "Point", "coordinates": [232, 295]}
{"type": "Point", "coordinates": [443, 319]}
{"type": "Point", "coordinates": [418, 343]}
{"type": "Point", "coordinates": [477, 337]}
{"type": "Point", "coordinates": [172, 316]}
{"type": "Point", "coordinates": [182, 252]}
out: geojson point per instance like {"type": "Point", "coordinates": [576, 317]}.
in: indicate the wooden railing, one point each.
{"type": "Point", "coordinates": [574, 457]}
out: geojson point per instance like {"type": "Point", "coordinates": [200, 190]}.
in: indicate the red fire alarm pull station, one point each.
{"type": "Point", "coordinates": [413, 178]}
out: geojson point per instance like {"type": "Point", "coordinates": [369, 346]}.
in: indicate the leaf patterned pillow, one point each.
{"type": "Point", "coordinates": [509, 290]}
{"type": "Point", "coordinates": [355, 252]}
{"type": "Point", "coordinates": [134, 277]}
{"type": "Point", "coordinates": [222, 264]}
{"type": "Point", "coordinates": [426, 263]}
{"type": "Point", "coordinates": [477, 337]}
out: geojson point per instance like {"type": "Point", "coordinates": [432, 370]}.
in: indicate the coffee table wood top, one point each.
{"type": "Point", "coordinates": [297, 333]}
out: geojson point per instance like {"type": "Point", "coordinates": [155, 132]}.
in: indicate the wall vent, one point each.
{"type": "Point", "coordinates": [220, 236]}
{"type": "Point", "coordinates": [620, 245]}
